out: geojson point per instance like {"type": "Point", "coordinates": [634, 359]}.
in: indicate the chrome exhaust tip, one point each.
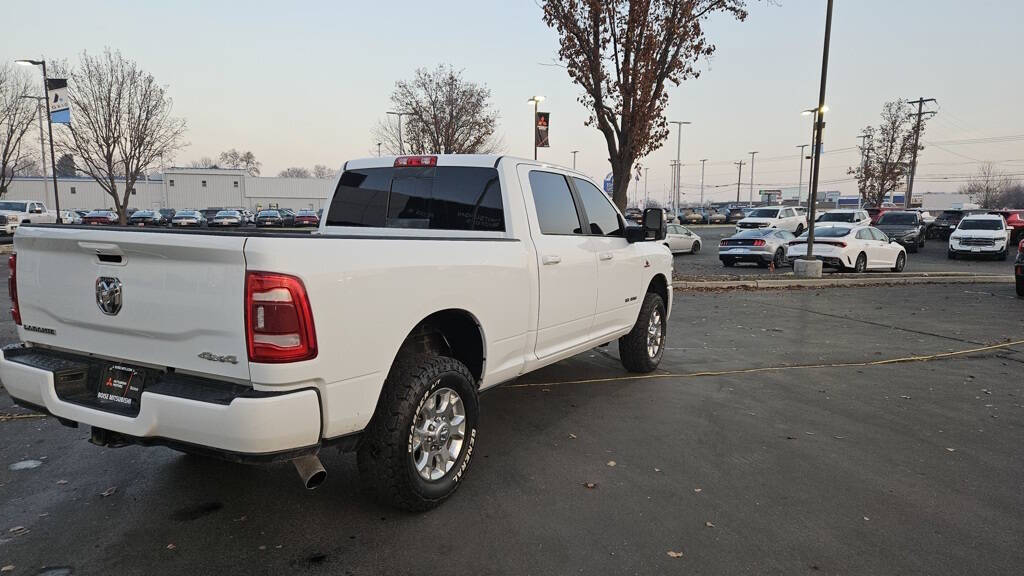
{"type": "Point", "coordinates": [310, 470]}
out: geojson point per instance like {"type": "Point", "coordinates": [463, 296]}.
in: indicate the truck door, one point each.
{"type": "Point", "coordinates": [567, 266]}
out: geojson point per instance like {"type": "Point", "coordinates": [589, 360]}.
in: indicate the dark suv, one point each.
{"type": "Point", "coordinates": [946, 222]}
{"type": "Point", "coordinates": [905, 227]}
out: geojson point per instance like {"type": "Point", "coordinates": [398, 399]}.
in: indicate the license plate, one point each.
{"type": "Point", "coordinates": [121, 385]}
{"type": "Point", "coordinates": [975, 249]}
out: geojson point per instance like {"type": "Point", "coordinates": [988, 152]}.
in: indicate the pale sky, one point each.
{"type": "Point", "coordinates": [302, 83]}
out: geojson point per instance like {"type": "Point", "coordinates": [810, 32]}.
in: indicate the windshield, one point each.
{"type": "Point", "coordinates": [229, 213]}
{"type": "Point", "coordinates": [837, 217]}
{"type": "Point", "coordinates": [898, 219]}
{"type": "Point", "coordinates": [13, 206]}
{"type": "Point", "coordinates": [951, 215]}
{"type": "Point", "coordinates": [142, 214]}
{"type": "Point", "coordinates": [306, 213]}
{"type": "Point", "coordinates": [186, 214]}
{"type": "Point", "coordinates": [828, 232]}
{"type": "Point", "coordinates": [99, 213]}
{"type": "Point", "coordinates": [763, 213]}
{"type": "Point", "coordinates": [981, 224]}
{"type": "Point", "coordinates": [268, 213]}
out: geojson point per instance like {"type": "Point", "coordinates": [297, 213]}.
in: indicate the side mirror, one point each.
{"type": "Point", "coordinates": [654, 224]}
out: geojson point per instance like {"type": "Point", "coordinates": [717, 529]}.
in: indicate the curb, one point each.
{"type": "Point", "coordinates": [839, 282]}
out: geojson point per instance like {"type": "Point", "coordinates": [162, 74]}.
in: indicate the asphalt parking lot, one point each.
{"type": "Point", "coordinates": [771, 442]}
{"type": "Point", "coordinates": [931, 258]}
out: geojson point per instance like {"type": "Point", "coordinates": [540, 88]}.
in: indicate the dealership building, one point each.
{"type": "Point", "coordinates": [182, 188]}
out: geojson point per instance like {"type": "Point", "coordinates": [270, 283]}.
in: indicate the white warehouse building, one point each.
{"type": "Point", "coordinates": [182, 188]}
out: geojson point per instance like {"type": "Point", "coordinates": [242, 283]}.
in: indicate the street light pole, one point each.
{"type": "Point", "coordinates": [646, 170]}
{"type": "Point", "coordinates": [819, 125]}
{"type": "Point", "coordinates": [702, 161]}
{"type": "Point", "coordinates": [401, 144]}
{"type": "Point", "coordinates": [739, 177]}
{"type": "Point", "coordinates": [49, 123]}
{"type": "Point", "coordinates": [675, 180]}
{"type": "Point", "coordinates": [800, 186]}
{"type": "Point", "coordinates": [573, 158]}
{"type": "Point", "coordinates": [750, 197]}
{"type": "Point", "coordinates": [536, 100]}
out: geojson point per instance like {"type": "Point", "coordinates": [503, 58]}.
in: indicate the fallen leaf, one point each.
{"type": "Point", "coordinates": [674, 554]}
{"type": "Point", "coordinates": [809, 433]}
{"type": "Point", "coordinates": [611, 463]}
{"type": "Point", "coordinates": [171, 546]}
{"type": "Point", "coordinates": [698, 490]}
{"type": "Point", "coordinates": [590, 485]}
{"type": "Point", "coordinates": [839, 437]}
{"type": "Point", "coordinates": [657, 469]}
{"type": "Point", "coordinates": [951, 449]}
{"type": "Point", "coordinates": [8, 568]}
{"type": "Point", "coordinates": [109, 491]}
{"type": "Point", "coordinates": [905, 397]}
{"type": "Point", "coordinates": [62, 481]}
{"type": "Point", "coordinates": [241, 518]}
{"type": "Point", "coordinates": [709, 524]}
{"type": "Point", "coordinates": [572, 436]}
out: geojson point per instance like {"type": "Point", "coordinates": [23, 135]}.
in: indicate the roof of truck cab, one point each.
{"type": "Point", "coordinates": [475, 160]}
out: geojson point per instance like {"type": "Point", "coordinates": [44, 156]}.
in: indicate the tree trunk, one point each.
{"type": "Point", "coordinates": [621, 173]}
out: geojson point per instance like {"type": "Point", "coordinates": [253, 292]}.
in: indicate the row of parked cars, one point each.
{"type": "Point", "coordinates": [210, 217]}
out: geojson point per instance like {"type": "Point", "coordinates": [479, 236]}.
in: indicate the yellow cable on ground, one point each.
{"type": "Point", "coordinates": [904, 359]}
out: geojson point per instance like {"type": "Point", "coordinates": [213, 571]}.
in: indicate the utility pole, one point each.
{"type": "Point", "coordinates": [646, 170]}
{"type": "Point", "coordinates": [917, 137]}
{"type": "Point", "coordinates": [800, 186]}
{"type": "Point", "coordinates": [678, 170]}
{"type": "Point", "coordinates": [673, 199]}
{"type": "Point", "coordinates": [739, 176]}
{"type": "Point", "coordinates": [863, 166]}
{"type": "Point", "coordinates": [573, 159]}
{"type": "Point", "coordinates": [819, 125]}
{"type": "Point", "coordinates": [702, 161]}
{"type": "Point", "coordinates": [750, 198]}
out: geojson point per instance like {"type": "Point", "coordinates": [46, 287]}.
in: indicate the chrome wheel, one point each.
{"type": "Point", "coordinates": [438, 434]}
{"type": "Point", "coordinates": [654, 334]}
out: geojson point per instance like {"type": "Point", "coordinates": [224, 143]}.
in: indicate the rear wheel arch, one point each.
{"type": "Point", "coordinates": [453, 332]}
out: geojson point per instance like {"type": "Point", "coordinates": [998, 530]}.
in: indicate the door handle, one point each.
{"type": "Point", "coordinates": [551, 259]}
{"type": "Point", "coordinates": [606, 255]}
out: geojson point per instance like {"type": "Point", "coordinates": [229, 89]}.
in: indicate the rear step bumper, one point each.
{"type": "Point", "coordinates": [192, 414]}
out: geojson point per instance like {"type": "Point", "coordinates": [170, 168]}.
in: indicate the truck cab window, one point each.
{"type": "Point", "coordinates": [556, 209]}
{"type": "Point", "coordinates": [604, 220]}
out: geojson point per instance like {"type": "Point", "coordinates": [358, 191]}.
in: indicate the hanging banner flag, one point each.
{"type": "Point", "coordinates": [60, 109]}
{"type": "Point", "coordinates": [541, 132]}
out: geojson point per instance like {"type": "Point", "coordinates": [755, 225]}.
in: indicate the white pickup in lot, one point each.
{"type": "Point", "coordinates": [430, 279]}
{"type": "Point", "coordinates": [14, 213]}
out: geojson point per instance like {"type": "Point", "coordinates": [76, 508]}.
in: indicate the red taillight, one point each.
{"type": "Point", "coordinates": [412, 161]}
{"type": "Point", "coordinates": [12, 287]}
{"type": "Point", "coordinates": [278, 319]}
{"type": "Point", "coordinates": [758, 242]}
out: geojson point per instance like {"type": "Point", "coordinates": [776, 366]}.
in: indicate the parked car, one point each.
{"type": "Point", "coordinates": [691, 216]}
{"type": "Point", "coordinates": [288, 215]}
{"type": "Point", "coordinates": [876, 213]}
{"type": "Point", "coordinates": [1018, 269]}
{"type": "Point", "coordinates": [782, 217]}
{"type": "Point", "coordinates": [844, 216]}
{"type": "Point", "coordinates": [82, 213]}
{"type": "Point", "coordinates": [678, 238]}
{"type": "Point", "coordinates": [210, 213]}
{"type": "Point", "coordinates": [509, 278]}
{"type": "Point", "coordinates": [304, 218]}
{"type": "Point", "coordinates": [904, 226]}
{"type": "Point", "coordinates": [1015, 220]}
{"type": "Point", "coordinates": [167, 213]}
{"type": "Point", "coordinates": [14, 213]}
{"type": "Point", "coordinates": [147, 218]}
{"type": "Point", "coordinates": [704, 216]}
{"type": "Point", "coordinates": [763, 246]}
{"type": "Point", "coordinates": [100, 218]}
{"type": "Point", "coordinates": [634, 215]}
{"type": "Point", "coordinates": [857, 248]}
{"type": "Point", "coordinates": [736, 214]}
{"type": "Point", "coordinates": [270, 218]}
{"type": "Point", "coordinates": [980, 235]}
{"type": "Point", "coordinates": [70, 217]}
{"type": "Point", "coordinates": [947, 221]}
{"type": "Point", "coordinates": [228, 218]}
{"type": "Point", "coordinates": [188, 218]}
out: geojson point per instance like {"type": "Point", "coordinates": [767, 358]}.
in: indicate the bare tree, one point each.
{"type": "Point", "coordinates": [988, 187]}
{"type": "Point", "coordinates": [886, 153]}
{"type": "Point", "coordinates": [623, 54]}
{"type": "Point", "coordinates": [445, 114]}
{"type": "Point", "coordinates": [240, 161]}
{"type": "Point", "coordinates": [321, 171]}
{"type": "Point", "coordinates": [16, 116]}
{"type": "Point", "coordinates": [295, 172]}
{"type": "Point", "coordinates": [203, 162]}
{"type": "Point", "coordinates": [122, 123]}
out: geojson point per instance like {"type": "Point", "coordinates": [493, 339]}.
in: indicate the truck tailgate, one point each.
{"type": "Point", "coordinates": [181, 302]}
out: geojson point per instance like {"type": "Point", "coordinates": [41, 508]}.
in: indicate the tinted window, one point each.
{"type": "Point", "coordinates": [556, 209]}
{"type": "Point", "coordinates": [836, 217]}
{"type": "Point", "coordinates": [763, 213]}
{"type": "Point", "coordinates": [898, 218]}
{"type": "Point", "coordinates": [438, 198]}
{"type": "Point", "coordinates": [603, 218]}
{"type": "Point", "coordinates": [828, 232]}
{"type": "Point", "coordinates": [753, 233]}
{"type": "Point", "coordinates": [981, 224]}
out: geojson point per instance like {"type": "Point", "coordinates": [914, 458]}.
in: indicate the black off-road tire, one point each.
{"type": "Point", "coordinates": [386, 468]}
{"type": "Point", "coordinates": [633, 346]}
{"type": "Point", "coordinates": [799, 229]}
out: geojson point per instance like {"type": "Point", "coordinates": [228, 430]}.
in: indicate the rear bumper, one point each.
{"type": "Point", "coordinates": [746, 256]}
{"type": "Point", "coordinates": [187, 412]}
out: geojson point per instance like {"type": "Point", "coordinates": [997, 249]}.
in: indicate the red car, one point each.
{"type": "Point", "coordinates": [306, 218]}
{"type": "Point", "coordinates": [1015, 220]}
{"type": "Point", "coordinates": [100, 218]}
{"type": "Point", "coordinates": [876, 213]}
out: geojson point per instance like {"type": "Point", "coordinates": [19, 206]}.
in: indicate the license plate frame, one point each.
{"type": "Point", "coordinates": [121, 386]}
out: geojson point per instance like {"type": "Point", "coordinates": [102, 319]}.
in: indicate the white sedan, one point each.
{"type": "Point", "coordinates": [847, 247]}
{"type": "Point", "coordinates": [681, 239]}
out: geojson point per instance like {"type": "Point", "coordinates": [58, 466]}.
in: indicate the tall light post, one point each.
{"type": "Point", "coordinates": [750, 197]}
{"type": "Point", "coordinates": [573, 158]}
{"type": "Point", "coordinates": [702, 161]}
{"type": "Point", "coordinates": [535, 100]}
{"type": "Point", "coordinates": [49, 123]}
{"type": "Point", "coordinates": [646, 170]}
{"type": "Point", "coordinates": [811, 112]}
{"type": "Point", "coordinates": [401, 144]}
{"type": "Point", "coordinates": [800, 186]}
{"type": "Point", "coordinates": [819, 126]}
{"type": "Point", "coordinates": [739, 177]}
{"type": "Point", "coordinates": [675, 179]}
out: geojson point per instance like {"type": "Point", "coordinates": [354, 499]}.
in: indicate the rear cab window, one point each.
{"type": "Point", "coordinates": [455, 198]}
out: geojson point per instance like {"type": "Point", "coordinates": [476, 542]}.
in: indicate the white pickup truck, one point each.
{"type": "Point", "coordinates": [430, 279]}
{"type": "Point", "coordinates": [14, 213]}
